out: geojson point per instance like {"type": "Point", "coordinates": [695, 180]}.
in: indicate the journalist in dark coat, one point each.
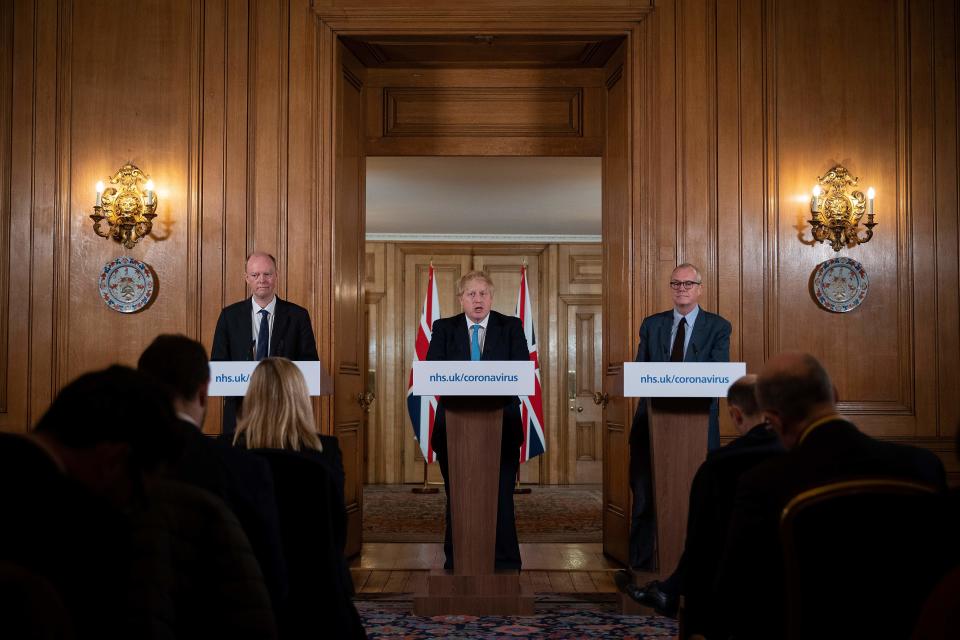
{"type": "Point", "coordinates": [241, 480]}
{"type": "Point", "coordinates": [798, 398]}
{"type": "Point", "coordinates": [711, 502]}
{"type": "Point", "coordinates": [501, 338]}
{"type": "Point", "coordinates": [238, 327]}
{"type": "Point", "coordinates": [278, 426]}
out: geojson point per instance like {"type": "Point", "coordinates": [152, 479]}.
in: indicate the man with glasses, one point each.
{"type": "Point", "coordinates": [686, 333]}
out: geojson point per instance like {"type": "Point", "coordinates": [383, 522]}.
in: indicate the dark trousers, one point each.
{"type": "Point", "coordinates": [507, 551]}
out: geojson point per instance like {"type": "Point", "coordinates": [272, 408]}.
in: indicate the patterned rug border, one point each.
{"type": "Point", "coordinates": [568, 617]}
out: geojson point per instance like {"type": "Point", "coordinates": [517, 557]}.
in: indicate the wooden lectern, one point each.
{"type": "Point", "coordinates": [678, 446]}
{"type": "Point", "coordinates": [473, 587]}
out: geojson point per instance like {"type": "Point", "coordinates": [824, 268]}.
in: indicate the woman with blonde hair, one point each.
{"type": "Point", "coordinates": [276, 409]}
{"type": "Point", "coordinates": [278, 425]}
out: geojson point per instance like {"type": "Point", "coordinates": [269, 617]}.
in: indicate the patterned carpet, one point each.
{"type": "Point", "coordinates": [564, 617]}
{"type": "Point", "coordinates": [391, 513]}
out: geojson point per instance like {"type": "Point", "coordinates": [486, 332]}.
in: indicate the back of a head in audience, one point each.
{"type": "Point", "coordinates": [181, 365]}
{"type": "Point", "coordinates": [108, 428]}
{"type": "Point", "coordinates": [794, 390]}
{"type": "Point", "coordinates": [742, 403]}
{"type": "Point", "coordinates": [277, 413]}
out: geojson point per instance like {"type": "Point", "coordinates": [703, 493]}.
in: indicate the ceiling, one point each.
{"type": "Point", "coordinates": [467, 195]}
{"type": "Point", "coordinates": [483, 51]}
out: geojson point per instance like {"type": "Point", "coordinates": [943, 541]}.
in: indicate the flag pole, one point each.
{"type": "Point", "coordinates": [425, 487]}
{"type": "Point", "coordinates": [518, 490]}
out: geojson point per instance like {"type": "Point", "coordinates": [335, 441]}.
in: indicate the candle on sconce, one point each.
{"type": "Point", "coordinates": [149, 192]}
{"type": "Point", "coordinates": [99, 193]}
{"type": "Point", "coordinates": [871, 194]}
{"type": "Point", "coordinates": [815, 200]}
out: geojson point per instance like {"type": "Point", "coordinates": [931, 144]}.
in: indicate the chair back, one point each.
{"type": "Point", "coordinates": [860, 556]}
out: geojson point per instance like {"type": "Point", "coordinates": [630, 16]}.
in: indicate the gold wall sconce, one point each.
{"type": "Point", "coordinates": [128, 209]}
{"type": "Point", "coordinates": [837, 210]}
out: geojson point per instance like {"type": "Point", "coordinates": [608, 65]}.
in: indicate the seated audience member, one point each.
{"type": "Point", "coordinates": [277, 423]}
{"type": "Point", "coordinates": [195, 575]}
{"type": "Point", "coordinates": [243, 481]}
{"type": "Point", "coordinates": [65, 489]}
{"type": "Point", "coordinates": [797, 398]}
{"type": "Point", "coordinates": [711, 501]}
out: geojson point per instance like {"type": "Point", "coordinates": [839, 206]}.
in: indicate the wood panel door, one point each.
{"type": "Point", "coordinates": [584, 366]}
{"type": "Point", "coordinates": [349, 348]}
{"type": "Point", "coordinates": [617, 321]}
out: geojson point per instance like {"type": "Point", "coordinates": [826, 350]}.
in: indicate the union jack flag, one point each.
{"type": "Point", "coordinates": [423, 409]}
{"type": "Point", "coordinates": [531, 407]}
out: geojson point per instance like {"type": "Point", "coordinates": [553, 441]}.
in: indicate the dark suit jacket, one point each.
{"type": "Point", "coordinates": [711, 503]}
{"type": "Point", "coordinates": [749, 586]}
{"type": "Point", "coordinates": [710, 342]}
{"type": "Point", "coordinates": [244, 482]}
{"type": "Point", "coordinates": [504, 340]}
{"type": "Point", "coordinates": [291, 338]}
{"type": "Point", "coordinates": [313, 523]}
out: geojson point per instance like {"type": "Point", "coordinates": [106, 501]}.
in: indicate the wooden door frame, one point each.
{"type": "Point", "coordinates": [316, 48]}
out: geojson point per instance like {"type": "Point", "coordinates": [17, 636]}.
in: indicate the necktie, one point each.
{"type": "Point", "coordinates": [475, 343]}
{"type": "Point", "coordinates": [263, 336]}
{"type": "Point", "coordinates": [676, 355]}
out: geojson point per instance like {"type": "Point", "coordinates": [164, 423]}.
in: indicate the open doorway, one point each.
{"type": "Point", "coordinates": [515, 96]}
{"type": "Point", "coordinates": [499, 214]}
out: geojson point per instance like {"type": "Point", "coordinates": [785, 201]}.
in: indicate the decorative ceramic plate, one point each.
{"type": "Point", "coordinates": [840, 284]}
{"type": "Point", "coordinates": [126, 284]}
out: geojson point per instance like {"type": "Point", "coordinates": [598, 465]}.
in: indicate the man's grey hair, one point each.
{"type": "Point", "coordinates": [688, 265]}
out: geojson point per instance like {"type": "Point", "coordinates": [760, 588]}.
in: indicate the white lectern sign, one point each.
{"type": "Point", "coordinates": [680, 379]}
{"type": "Point", "coordinates": [232, 378]}
{"type": "Point", "coordinates": [473, 378]}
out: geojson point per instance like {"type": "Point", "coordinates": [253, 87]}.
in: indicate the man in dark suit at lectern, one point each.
{"type": "Point", "coordinates": [260, 326]}
{"type": "Point", "coordinates": [481, 334]}
{"type": "Point", "coordinates": [685, 333]}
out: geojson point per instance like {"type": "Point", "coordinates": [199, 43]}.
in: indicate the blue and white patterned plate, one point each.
{"type": "Point", "coordinates": [840, 284]}
{"type": "Point", "coordinates": [126, 284]}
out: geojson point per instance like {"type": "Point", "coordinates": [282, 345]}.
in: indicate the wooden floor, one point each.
{"type": "Point", "coordinates": [547, 567]}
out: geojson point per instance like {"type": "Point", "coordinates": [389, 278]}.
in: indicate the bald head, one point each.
{"type": "Point", "coordinates": [261, 276]}
{"type": "Point", "coordinates": [793, 390]}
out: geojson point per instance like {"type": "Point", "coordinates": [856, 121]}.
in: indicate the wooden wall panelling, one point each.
{"type": "Point", "coordinates": [25, 117]}
{"type": "Point", "coordinates": [45, 220]}
{"type": "Point", "coordinates": [348, 239]}
{"type": "Point", "coordinates": [946, 29]}
{"type": "Point", "coordinates": [579, 290]}
{"type": "Point", "coordinates": [362, 14]}
{"type": "Point", "coordinates": [301, 241]}
{"type": "Point", "coordinates": [618, 322]}
{"type": "Point", "coordinates": [482, 112]}
{"type": "Point", "coordinates": [6, 187]}
{"type": "Point", "coordinates": [741, 185]}
{"type": "Point", "coordinates": [162, 140]}
{"type": "Point", "coordinates": [868, 350]}
{"type": "Point", "coordinates": [375, 292]}
{"type": "Point", "coordinates": [696, 214]}
{"type": "Point", "coordinates": [550, 350]}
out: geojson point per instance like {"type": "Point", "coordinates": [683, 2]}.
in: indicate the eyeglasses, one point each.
{"type": "Point", "coordinates": [676, 285]}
